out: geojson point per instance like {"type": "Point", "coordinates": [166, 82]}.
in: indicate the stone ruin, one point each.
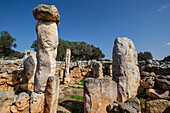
{"type": "Point", "coordinates": [37, 78]}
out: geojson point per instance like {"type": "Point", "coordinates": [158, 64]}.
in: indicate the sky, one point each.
{"type": "Point", "coordinates": [97, 22]}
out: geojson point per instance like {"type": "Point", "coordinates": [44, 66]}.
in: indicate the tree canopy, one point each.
{"type": "Point", "coordinates": [145, 56]}
{"type": "Point", "coordinates": [6, 44]}
{"type": "Point", "coordinates": [167, 58]}
{"type": "Point", "coordinates": [79, 50]}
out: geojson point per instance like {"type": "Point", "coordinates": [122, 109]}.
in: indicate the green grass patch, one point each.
{"type": "Point", "coordinates": [81, 83]}
{"type": "Point", "coordinates": [64, 89]}
{"type": "Point", "coordinates": [77, 97]}
{"type": "Point", "coordinates": [76, 87]}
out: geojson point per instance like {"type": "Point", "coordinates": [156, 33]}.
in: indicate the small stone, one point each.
{"type": "Point", "coordinates": [22, 101]}
{"type": "Point", "coordinates": [14, 109]}
{"type": "Point", "coordinates": [158, 93]}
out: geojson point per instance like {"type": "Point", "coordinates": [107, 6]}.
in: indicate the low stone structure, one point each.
{"type": "Point", "coordinates": [98, 94]}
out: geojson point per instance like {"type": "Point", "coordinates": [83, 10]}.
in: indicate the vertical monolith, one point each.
{"type": "Point", "coordinates": [47, 42]}
{"type": "Point", "coordinates": [67, 66]}
{"type": "Point", "coordinates": [125, 68]}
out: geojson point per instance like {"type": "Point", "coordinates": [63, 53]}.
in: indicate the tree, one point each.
{"type": "Point", "coordinates": [79, 50]}
{"type": "Point", "coordinates": [145, 56]}
{"type": "Point", "coordinates": [167, 59]}
{"type": "Point", "coordinates": [6, 44]}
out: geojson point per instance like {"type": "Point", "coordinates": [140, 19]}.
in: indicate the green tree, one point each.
{"type": "Point", "coordinates": [6, 43]}
{"type": "Point", "coordinates": [79, 50]}
{"type": "Point", "coordinates": [167, 58]}
{"type": "Point", "coordinates": [145, 56]}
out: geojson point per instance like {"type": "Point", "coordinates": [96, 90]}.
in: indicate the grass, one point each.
{"type": "Point", "coordinates": [77, 97]}
{"type": "Point", "coordinates": [142, 99]}
{"type": "Point", "coordinates": [74, 92]}
{"type": "Point", "coordinates": [76, 87]}
{"type": "Point", "coordinates": [82, 83]}
{"type": "Point", "coordinates": [64, 88]}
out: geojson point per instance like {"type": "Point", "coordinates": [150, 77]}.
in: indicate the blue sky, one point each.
{"type": "Point", "coordinates": [98, 22]}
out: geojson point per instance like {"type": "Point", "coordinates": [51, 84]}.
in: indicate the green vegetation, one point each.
{"type": "Point", "coordinates": [166, 59]}
{"type": "Point", "coordinates": [64, 88]}
{"type": "Point", "coordinates": [145, 56]}
{"type": "Point", "coordinates": [77, 97]}
{"type": "Point", "coordinates": [76, 87]}
{"type": "Point", "coordinates": [79, 50]}
{"type": "Point", "coordinates": [6, 44]}
{"type": "Point", "coordinates": [82, 83]}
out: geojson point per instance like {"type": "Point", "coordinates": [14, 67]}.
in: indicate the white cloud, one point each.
{"type": "Point", "coordinates": [163, 7]}
{"type": "Point", "coordinates": [168, 44]}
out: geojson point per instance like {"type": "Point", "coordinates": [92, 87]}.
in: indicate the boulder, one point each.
{"type": "Point", "coordinates": [37, 103]}
{"type": "Point", "coordinates": [132, 105]}
{"type": "Point", "coordinates": [125, 68]}
{"type": "Point", "coordinates": [163, 82]}
{"type": "Point", "coordinates": [98, 94]}
{"type": "Point", "coordinates": [46, 13]}
{"type": "Point", "coordinates": [67, 66]}
{"type": "Point", "coordinates": [6, 100]}
{"type": "Point", "coordinates": [157, 106]}
{"type": "Point", "coordinates": [52, 94]}
{"type": "Point", "coordinates": [148, 82]}
{"type": "Point", "coordinates": [97, 69]}
{"type": "Point", "coordinates": [22, 102]}
{"type": "Point", "coordinates": [158, 93]}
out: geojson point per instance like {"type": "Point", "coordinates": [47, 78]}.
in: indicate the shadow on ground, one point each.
{"type": "Point", "coordinates": [72, 106]}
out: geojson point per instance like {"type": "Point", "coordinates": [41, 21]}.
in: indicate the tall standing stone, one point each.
{"type": "Point", "coordinates": [125, 68]}
{"type": "Point", "coordinates": [47, 42]}
{"type": "Point", "coordinates": [97, 69]}
{"type": "Point", "coordinates": [67, 66]}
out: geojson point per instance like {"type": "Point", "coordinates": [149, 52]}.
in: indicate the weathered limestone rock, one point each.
{"type": "Point", "coordinates": [30, 64]}
{"type": "Point", "coordinates": [47, 42]}
{"type": "Point", "coordinates": [97, 71]}
{"type": "Point", "coordinates": [158, 93]}
{"type": "Point", "coordinates": [125, 68]}
{"type": "Point", "coordinates": [132, 105]}
{"type": "Point", "coordinates": [52, 94]}
{"type": "Point", "coordinates": [6, 100]}
{"type": "Point", "coordinates": [22, 102]}
{"type": "Point", "coordinates": [148, 82]}
{"type": "Point", "coordinates": [37, 103]}
{"type": "Point", "coordinates": [61, 74]}
{"type": "Point", "coordinates": [98, 94]}
{"type": "Point", "coordinates": [14, 109]}
{"type": "Point", "coordinates": [157, 106]}
{"type": "Point", "coordinates": [46, 13]}
{"type": "Point", "coordinates": [67, 66]}
{"type": "Point", "coordinates": [163, 82]}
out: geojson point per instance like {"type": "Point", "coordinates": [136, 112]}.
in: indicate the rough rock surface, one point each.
{"type": "Point", "coordinates": [67, 66]}
{"type": "Point", "coordinates": [148, 82]}
{"type": "Point", "coordinates": [163, 82]}
{"type": "Point", "coordinates": [132, 105]}
{"type": "Point", "coordinates": [47, 42]}
{"type": "Point", "coordinates": [125, 68]}
{"type": "Point", "coordinates": [98, 94]}
{"type": "Point", "coordinates": [30, 64]}
{"type": "Point", "coordinates": [6, 100]}
{"type": "Point", "coordinates": [46, 13]}
{"type": "Point", "coordinates": [37, 103]}
{"type": "Point", "coordinates": [52, 94]}
{"type": "Point", "coordinates": [158, 93]}
{"type": "Point", "coordinates": [157, 106]}
{"type": "Point", "coordinates": [22, 102]}
{"type": "Point", "coordinates": [97, 71]}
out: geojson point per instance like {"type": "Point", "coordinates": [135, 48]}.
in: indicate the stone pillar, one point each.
{"type": "Point", "coordinates": [47, 42]}
{"type": "Point", "coordinates": [67, 66]}
{"type": "Point", "coordinates": [52, 94]}
{"type": "Point", "coordinates": [125, 68]}
{"type": "Point", "coordinates": [97, 69]}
